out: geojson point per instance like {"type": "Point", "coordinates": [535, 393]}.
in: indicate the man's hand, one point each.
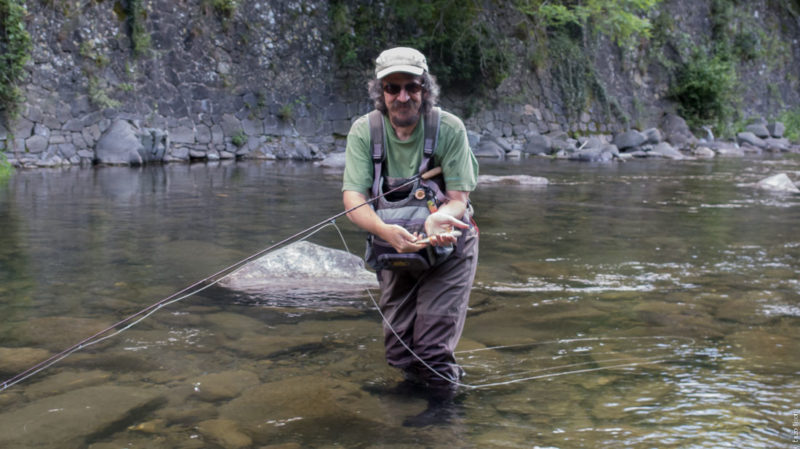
{"type": "Point", "coordinates": [400, 239]}
{"type": "Point", "coordinates": [438, 223]}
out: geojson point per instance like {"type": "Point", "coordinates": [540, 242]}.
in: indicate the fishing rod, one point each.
{"type": "Point", "coordinates": [199, 285]}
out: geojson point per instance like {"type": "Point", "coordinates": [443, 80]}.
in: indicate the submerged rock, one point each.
{"type": "Point", "coordinates": [303, 268]}
{"type": "Point", "coordinates": [225, 385]}
{"type": "Point", "coordinates": [225, 432]}
{"type": "Point", "coordinates": [778, 183]}
{"type": "Point", "coordinates": [513, 180]}
{"type": "Point", "coordinates": [57, 332]}
{"type": "Point", "coordinates": [300, 403]}
{"type": "Point", "coordinates": [14, 360]}
{"type": "Point", "coordinates": [74, 418]}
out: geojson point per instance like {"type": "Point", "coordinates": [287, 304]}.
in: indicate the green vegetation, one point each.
{"type": "Point", "coordinates": [15, 47]}
{"type": "Point", "coordinates": [239, 138]}
{"type": "Point", "coordinates": [286, 113]}
{"type": "Point", "coordinates": [622, 21]}
{"type": "Point", "coordinates": [462, 51]}
{"type": "Point", "coordinates": [99, 96]}
{"type": "Point", "coordinates": [140, 38]}
{"type": "Point", "coordinates": [87, 50]}
{"type": "Point", "coordinates": [791, 119]}
{"type": "Point", "coordinates": [562, 33]}
{"type": "Point", "coordinates": [704, 89]}
{"type": "Point", "coordinates": [6, 170]}
{"type": "Point", "coordinates": [706, 78]}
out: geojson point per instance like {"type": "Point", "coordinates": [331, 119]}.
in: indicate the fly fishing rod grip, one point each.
{"type": "Point", "coordinates": [436, 171]}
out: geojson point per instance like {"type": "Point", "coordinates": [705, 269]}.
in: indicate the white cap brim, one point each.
{"type": "Point", "coordinates": [414, 70]}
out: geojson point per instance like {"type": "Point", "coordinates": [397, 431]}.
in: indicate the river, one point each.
{"type": "Point", "coordinates": [638, 304]}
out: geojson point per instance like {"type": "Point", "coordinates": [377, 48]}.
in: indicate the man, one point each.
{"type": "Point", "coordinates": [425, 308]}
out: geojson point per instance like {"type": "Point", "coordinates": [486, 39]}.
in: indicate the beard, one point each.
{"type": "Point", "coordinates": [404, 114]}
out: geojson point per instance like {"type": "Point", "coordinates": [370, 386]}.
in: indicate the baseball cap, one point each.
{"type": "Point", "coordinates": [400, 59]}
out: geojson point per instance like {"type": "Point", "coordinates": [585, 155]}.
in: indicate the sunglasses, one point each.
{"type": "Point", "coordinates": [394, 89]}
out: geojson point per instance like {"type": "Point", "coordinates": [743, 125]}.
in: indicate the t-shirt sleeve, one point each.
{"type": "Point", "coordinates": [459, 165]}
{"type": "Point", "coordinates": [358, 170]}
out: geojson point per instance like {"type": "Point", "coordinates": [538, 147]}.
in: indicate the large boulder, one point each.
{"type": "Point", "coordinates": [629, 139]}
{"type": "Point", "coordinates": [776, 129]}
{"type": "Point", "coordinates": [155, 143]}
{"type": "Point", "coordinates": [726, 149]}
{"type": "Point", "coordinates": [302, 269]}
{"type": "Point", "coordinates": [602, 153]}
{"type": "Point", "coordinates": [119, 145]}
{"type": "Point", "coordinates": [537, 144]}
{"type": "Point", "coordinates": [750, 138]}
{"type": "Point", "coordinates": [777, 145]}
{"type": "Point", "coordinates": [666, 150]}
{"type": "Point", "coordinates": [703, 153]}
{"type": "Point", "coordinates": [759, 129]}
{"type": "Point", "coordinates": [489, 149]}
{"type": "Point", "coordinates": [653, 136]}
{"type": "Point", "coordinates": [677, 132]}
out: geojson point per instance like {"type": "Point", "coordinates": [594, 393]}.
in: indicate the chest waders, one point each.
{"type": "Point", "coordinates": [409, 207]}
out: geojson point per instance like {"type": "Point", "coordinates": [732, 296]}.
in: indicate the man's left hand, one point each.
{"type": "Point", "coordinates": [438, 223]}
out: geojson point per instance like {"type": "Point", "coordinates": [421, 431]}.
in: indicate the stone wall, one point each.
{"type": "Point", "coordinates": [256, 84]}
{"type": "Point", "coordinates": [263, 84]}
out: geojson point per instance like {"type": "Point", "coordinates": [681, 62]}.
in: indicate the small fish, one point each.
{"type": "Point", "coordinates": [455, 233]}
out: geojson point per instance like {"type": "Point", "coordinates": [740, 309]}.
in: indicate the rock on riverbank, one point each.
{"type": "Point", "coordinates": [671, 140]}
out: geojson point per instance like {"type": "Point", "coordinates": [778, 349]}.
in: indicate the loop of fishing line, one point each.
{"type": "Point", "coordinates": [457, 383]}
{"type": "Point", "coordinates": [305, 234]}
{"type": "Point", "coordinates": [199, 286]}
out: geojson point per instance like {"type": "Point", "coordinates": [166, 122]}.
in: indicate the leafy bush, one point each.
{"type": "Point", "coordinates": [791, 119]}
{"type": "Point", "coordinates": [15, 48]}
{"type": "Point", "coordinates": [239, 138]}
{"type": "Point", "coordinates": [704, 89]}
{"type": "Point", "coordinates": [622, 21]}
{"type": "Point", "coordinates": [140, 39]}
{"type": "Point", "coordinates": [6, 170]}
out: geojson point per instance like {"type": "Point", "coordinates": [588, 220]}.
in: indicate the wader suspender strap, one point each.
{"type": "Point", "coordinates": [378, 138]}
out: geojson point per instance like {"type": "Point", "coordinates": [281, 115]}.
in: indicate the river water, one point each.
{"type": "Point", "coordinates": [639, 304]}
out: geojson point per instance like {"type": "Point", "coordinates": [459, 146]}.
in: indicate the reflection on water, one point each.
{"type": "Point", "coordinates": [640, 304]}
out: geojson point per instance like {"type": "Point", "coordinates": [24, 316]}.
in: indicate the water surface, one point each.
{"type": "Point", "coordinates": [638, 304]}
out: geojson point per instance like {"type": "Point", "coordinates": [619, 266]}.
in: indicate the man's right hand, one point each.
{"type": "Point", "coordinates": [401, 240]}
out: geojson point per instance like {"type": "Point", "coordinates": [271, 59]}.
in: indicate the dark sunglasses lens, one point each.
{"type": "Point", "coordinates": [394, 89]}
{"type": "Point", "coordinates": [413, 88]}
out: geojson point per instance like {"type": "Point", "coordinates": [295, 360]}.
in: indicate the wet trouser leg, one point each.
{"type": "Point", "coordinates": [427, 310]}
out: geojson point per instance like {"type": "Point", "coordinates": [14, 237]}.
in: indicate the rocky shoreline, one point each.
{"type": "Point", "coordinates": [123, 141]}
{"type": "Point", "coordinates": [671, 140]}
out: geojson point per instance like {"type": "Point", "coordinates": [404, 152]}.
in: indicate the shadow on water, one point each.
{"type": "Point", "coordinates": [644, 304]}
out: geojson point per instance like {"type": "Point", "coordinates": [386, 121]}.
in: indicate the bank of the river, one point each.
{"type": "Point", "coordinates": [154, 80]}
{"type": "Point", "coordinates": [125, 142]}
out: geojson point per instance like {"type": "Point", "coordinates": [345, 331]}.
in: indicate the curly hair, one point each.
{"type": "Point", "coordinates": [430, 93]}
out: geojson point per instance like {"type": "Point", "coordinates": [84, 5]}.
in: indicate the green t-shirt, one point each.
{"type": "Point", "coordinates": [452, 153]}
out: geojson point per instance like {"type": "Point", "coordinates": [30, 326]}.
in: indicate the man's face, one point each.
{"type": "Point", "coordinates": [404, 106]}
